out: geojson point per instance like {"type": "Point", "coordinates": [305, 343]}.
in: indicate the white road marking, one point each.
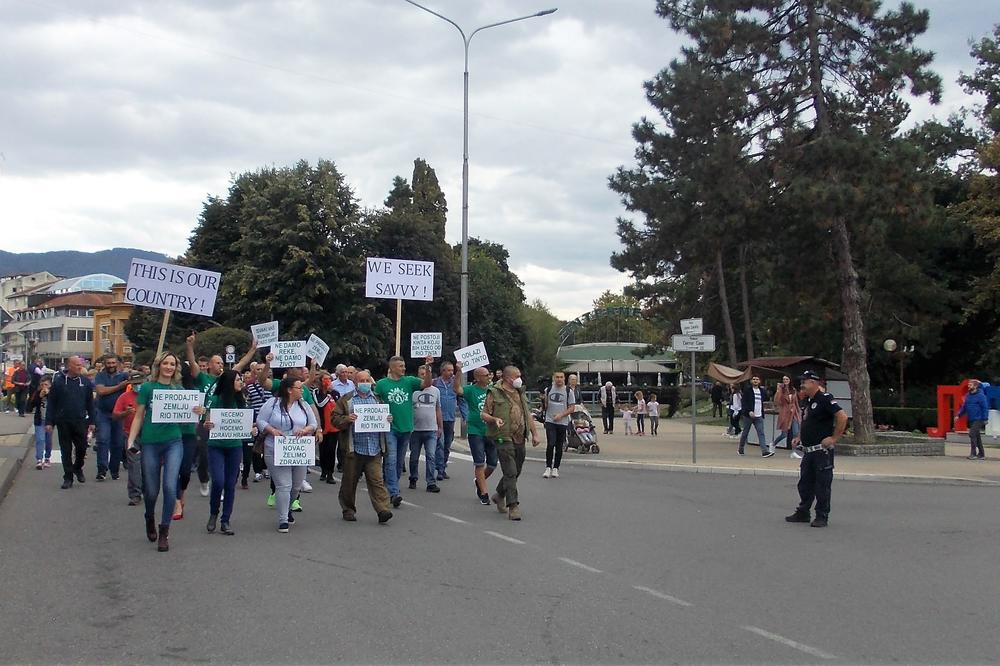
{"type": "Point", "coordinates": [451, 518]}
{"type": "Point", "coordinates": [504, 537]}
{"type": "Point", "coordinates": [415, 506]}
{"type": "Point", "coordinates": [662, 595]}
{"type": "Point", "coordinates": [580, 565]}
{"type": "Point", "coordinates": [789, 642]}
{"type": "Point", "coordinates": [459, 455]}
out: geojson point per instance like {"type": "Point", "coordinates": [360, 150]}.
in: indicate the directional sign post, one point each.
{"type": "Point", "coordinates": [692, 340]}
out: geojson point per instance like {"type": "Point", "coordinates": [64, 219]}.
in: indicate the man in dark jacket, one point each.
{"type": "Point", "coordinates": [21, 381]}
{"type": "Point", "coordinates": [977, 408]}
{"type": "Point", "coordinates": [752, 412]}
{"type": "Point", "coordinates": [70, 410]}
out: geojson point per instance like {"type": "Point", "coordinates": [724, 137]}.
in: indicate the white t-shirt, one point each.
{"type": "Point", "coordinates": [653, 408]}
{"type": "Point", "coordinates": [758, 402]}
{"type": "Point", "coordinates": [640, 407]}
{"type": "Point", "coordinates": [425, 406]}
{"type": "Point", "coordinates": [627, 414]}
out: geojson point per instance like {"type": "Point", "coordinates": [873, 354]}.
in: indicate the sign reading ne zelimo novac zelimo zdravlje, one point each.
{"type": "Point", "coordinates": [294, 451]}
{"type": "Point", "coordinates": [169, 287]}
{"type": "Point", "coordinates": [399, 278]}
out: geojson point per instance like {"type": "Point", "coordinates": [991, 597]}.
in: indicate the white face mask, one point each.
{"type": "Point", "coordinates": [517, 383]}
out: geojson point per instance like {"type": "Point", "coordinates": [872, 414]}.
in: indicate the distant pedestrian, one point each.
{"type": "Point", "coordinates": [640, 414]}
{"type": "Point", "coordinates": [977, 408]}
{"type": "Point", "coordinates": [37, 372]}
{"type": "Point", "coordinates": [21, 380]}
{"type": "Point", "coordinates": [509, 423]}
{"type": "Point", "coordinates": [753, 399]}
{"type": "Point", "coordinates": [70, 410]}
{"type": "Point", "coordinates": [735, 408]}
{"type": "Point", "coordinates": [653, 411]}
{"type": "Point", "coordinates": [608, 397]}
{"type": "Point", "coordinates": [43, 438]}
{"type": "Point", "coordinates": [824, 425]}
{"type": "Point", "coordinates": [786, 400]}
{"type": "Point", "coordinates": [718, 395]}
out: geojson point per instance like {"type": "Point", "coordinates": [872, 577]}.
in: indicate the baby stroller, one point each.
{"type": "Point", "coordinates": [582, 434]}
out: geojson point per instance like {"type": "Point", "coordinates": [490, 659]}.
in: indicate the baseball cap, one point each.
{"type": "Point", "coordinates": [809, 374]}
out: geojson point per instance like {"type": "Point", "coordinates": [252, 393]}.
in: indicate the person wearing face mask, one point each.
{"type": "Point", "coordinates": [977, 408]}
{"type": "Point", "coordinates": [509, 422]}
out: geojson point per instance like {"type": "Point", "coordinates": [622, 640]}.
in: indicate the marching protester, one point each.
{"type": "Point", "coordinates": [110, 383]}
{"type": "Point", "coordinates": [786, 400]}
{"type": "Point", "coordinates": [255, 396]}
{"type": "Point", "coordinates": [161, 447]}
{"type": "Point", "coordinates": [43, 438]}
{"type": "Point", "coordinates": [823, 426]}
{"type": "Point", "coordinates": [559, 402]}
{"type": "Point", "coordinates": [343, 384]}
{"type": "Point", "coordinates": [70, 410]}
{"type": "Point", "coordinates": [653, 410]}
{"type": "Point", "coordinates": [364, 452]}
{"type": "Point", "coordinates": [286, 414]}
{"type": "Point", "coordinates": [427, 429]}
{"type": "Point", "coordinates": [977, 408]}
{"type": "Point", "coordinates": [224, 455]}
{"type": "Point", "coordinates": [326, 402]}
{"type": "Point", "coordinates": [446, 384]}
{"type": "Point", "coordinates": [124, 411]}
{"type": "Point", "coordinates": [753, 398]}
{"type": "Point", "coordinates": [608, 397]}
{"type": "Point", "coordinates": [396, 390]}
{"type": "Point", "coordinates": [483, 450]}
{"type": "Point", "coordinates": [509, 422]}
{"type": "Point", "coordinates": [189, 442]}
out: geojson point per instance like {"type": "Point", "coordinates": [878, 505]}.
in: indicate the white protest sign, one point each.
{"type": "Point", "coordinates": [266, 334]}
{"type": "Point", "coordinates": [289, 354]}
{"type": "Point", "coordinates": [399, 278]}
{"type": "Point", "coordinates": [170, 406]}
{"type": "Point", "coordinates": [316, 349]}
{"type": "Point", "coordinates": [472, 357]}
{"type": "Point", "coordinates": [294, 451]}
{"type": "Point", "coordinates": [231, 423]}
{"type": "Point", "coordinates": [169, 287]}
{"type": "Point", "coordinates": [425, 344]}
{"type": "Point", "coordinates": [371, 418]}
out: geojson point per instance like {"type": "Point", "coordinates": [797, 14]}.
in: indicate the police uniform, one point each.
{"type": "Point", "coordinates": [816, 468]}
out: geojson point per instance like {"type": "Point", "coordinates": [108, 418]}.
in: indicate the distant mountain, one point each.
{"type": "Point", "coordinates": [68, 263]}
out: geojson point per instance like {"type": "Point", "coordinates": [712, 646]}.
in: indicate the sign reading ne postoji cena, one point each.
{"type": "Point", "coordinates": [169, 287]}
{"type": "Point", "coordinates": [231, 423]}
{"type": "Point", "coordinates": [371, 418]}
{"type": "Point", "coordinates": [399, 278]}
{"type": "Point", "coordinates": [265, 334]}
{"type": "Point", "coordinates": [316, 349]}
{"type": "Point", "coordinates": [289, 354]}
{"type": "Point", "coordinates": [423, 345]}
{"type": "Point", "coordinates": [472, 357]}
{"type": "Point", "coordinates": [294, 451]}
{"type": "Point", "coordinates": [175, 406]}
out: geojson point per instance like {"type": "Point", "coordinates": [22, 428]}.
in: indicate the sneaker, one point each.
{"type": "Point", "coordinates": [306, 486]}
{"type": "Point", "coordinates": [100, 476]}
{"type": "Point", "coordinates": [740, 453]}
{"type": "Point", "coordinates": [114, 477]}
{"type": "Point", "coordinates": [767, 454]}
{"type": "Point", "coordinates": [47, 463]}
{"type": "Point", "coordinates": [134, 501]}
{"type": "Point", "coordinates": [981, 458]}
{"type": "Point", "coordinates": [547, 473]}
{"type": "Point", "coordinates": [972, 457]}
{"type": "Point", "coordinates": [384, 516]}
{"type": "Point", "coordinates": [257, 477]}
{"type": "Point", "coordinates": [296, 505]}
{"type": "Point", "coordinates": [514, 512]}
{"type": "Point", "coordinates": [433, 489]}
{"type": "Point", "coordinates": [396, 501]}
{"type": "Point", "coordinates": [204, 490]}
{"type": "Point", "coordinates": [291, 518]}
{"type": "Point", "coordinates": [443, 476]}
{"type": "Point", "coordinates": [350, 517]}
{"type": "Point", "coordinates": [38, 464]}
{"type": "Point", "coordinates": [283, 528]}
{"type": "Point", "coordinates": [79, 476]}
{"type": "Point", "coordinates": [818, 522]}
{"type": "Point", "coordinates": [330, 480]}
{"type": "Point", "coordinates": [270, 500]}
{"type": "Point", "coordinates": [484, 499]}
{"type": "Point", "coordinates": [413, 484]}
{"type": "Point", "coordinates": [798, 517]}
{"type": "Point", "coordinates": [555, 472]}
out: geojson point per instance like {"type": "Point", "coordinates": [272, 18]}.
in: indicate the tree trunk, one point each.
{"type": "Point", "coordinates": [855, 351]}
{"type": "Point", "coordinates": [745, 297]}
{"type": "Point", "coordinates": [727, 319]}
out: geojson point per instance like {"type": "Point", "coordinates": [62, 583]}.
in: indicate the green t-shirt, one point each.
{"type": "Point", "coordinates": [156, 433]}
{"type": "Point", "coordinates": [398, 394]}
{"type": "Point", "coordinates": [307, 394]}
{"type": "Point", "coordinates": [214, 402]}
{"type": "Point", "coordinates": [475, 398]}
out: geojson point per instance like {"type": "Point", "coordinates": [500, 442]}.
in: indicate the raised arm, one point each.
{"type": "Point", "coordinates": [245, 361]}
{"type": "Point", "coordinates": [189, 352]}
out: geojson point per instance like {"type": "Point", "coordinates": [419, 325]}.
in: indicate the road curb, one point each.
{"type": "Point", "coordinates": [9, 472]}
{"type": "Point", "coordinates": [750, 471]}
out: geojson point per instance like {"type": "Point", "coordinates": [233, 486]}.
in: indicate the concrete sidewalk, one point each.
{"type": "Point", "coordinates": [671, 450]}
{"type": "Point", "coordinates": [15, 439]}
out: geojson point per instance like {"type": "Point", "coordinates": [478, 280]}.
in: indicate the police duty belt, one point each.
{"type": "Point", "coordinates": [810, 449]}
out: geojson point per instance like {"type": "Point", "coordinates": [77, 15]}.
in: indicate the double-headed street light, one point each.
{"type": "Point", "coordinates": [465, 154]}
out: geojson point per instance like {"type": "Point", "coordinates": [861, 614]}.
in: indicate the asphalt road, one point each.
{"type": "Point", "coordinates": [608, 566]}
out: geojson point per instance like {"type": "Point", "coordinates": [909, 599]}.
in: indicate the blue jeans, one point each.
{"type": "Point", "coordinates": [395, 452]}
{"type": "Point", "coordinates": [168, 454]}
{"type": "Point", "coordinates": [190, 442]}
{"type": "Point", "coordinates": [484, 451]}
{"type": "Point", "coordinates": [793, 432]}
{"type": "Point", "coordinates": [444, 445]}
{"type": "Point", "coordinates": [43, 443]}
{"type": "Point", "coordinates": [110, 443]}
{"type": "Point", "coordinates": [426, 440]}
{"type": "Point", "coordinates": [758, 424]}
{"type": "Point", "coordinates": [224, 468]}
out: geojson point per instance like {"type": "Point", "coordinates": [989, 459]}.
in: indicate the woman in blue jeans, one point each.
{"type": "Point", "coordinates": [224, 455]}
{"type": "Point", "coordinates": [43, 438]}
{"type": "Point", "coordinates": [161, 446]}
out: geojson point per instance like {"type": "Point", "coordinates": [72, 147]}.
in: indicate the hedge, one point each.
{"type": "Point", "coordinates": [906, 418]}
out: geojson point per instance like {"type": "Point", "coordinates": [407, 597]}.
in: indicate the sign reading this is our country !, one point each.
{"type": "Point", "coordinates": [399, 278]}
{"type": "Point", "coordinates": [170, 287]}
{"type": "Point", "coordinates": [294, 451]}
{"type": "Point", "coordinates": [423, 345]}
{"type": "Point", "coordinates": [316, 349]}
{"type": "Point", "coordinates": [231, 423]}
{"type": "Point", "coordinates": [265, 334]}
{"type": "Point", "coordinates": [372, 418]}
{"type": "Point", "coordinates": [175, 406]}
{"type": "Point", "coordinates": [472, 357]}
{"type": "Point", "coordinates": [289, 354]}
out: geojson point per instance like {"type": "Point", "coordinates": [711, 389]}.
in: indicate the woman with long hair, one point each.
{"type": "Point", "coordinates": [189, 439]}
{"type": "Point", "coordinates": [735, 407]}
{"type": "Point", "coordinates": [43, 438]}
{"type": "Point", "coordinates": [224, 455]}
{"type": "Point", "coordinates": [284, 415]}
{"type": "Point", "coordinates": [786, 400]}
{"type": "Point", "coordinates": [161, 446]}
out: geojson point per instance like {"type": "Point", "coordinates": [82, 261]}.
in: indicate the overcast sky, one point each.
{"type": "Point", "coordinates": [119, 117]}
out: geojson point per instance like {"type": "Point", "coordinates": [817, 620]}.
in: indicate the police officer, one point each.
{"type": "Point", "coordinates": [824, 424]}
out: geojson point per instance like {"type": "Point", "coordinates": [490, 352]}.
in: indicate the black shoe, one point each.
{"type": "Point", "coordinates": [331, 480]}
{"type": "Point", "coordinates": [484, 499]}
{"type": "Point", "coordinates": [741, 452]}
{"type": "Point", "coordinates": [79, 476]}
{"type": "Point", "coordinates": [433, 489]}
{"type": "Point", "coordinates": [384, 516]}
{"type": "Point", "coordinates": [114, 477]}
{"type": "Point", "coordinates": [151, 530]}
{"type": "Point", "coordinates": [100, 476]}
{"type": "Point", "coordinates": [413, 484]}
{"type": "Point", "coordinates": [322, 477]}
{"type": "Point", "coordinates": [396, 501]}
{"type": "Point", "coordinates": [798, 517]}
{"type": "Point", "coordinates": [211, 523]}
{"type": "Point", "coordinates": [66, 484]}
{"type": "Point", "coordinates": [226, 529]}
{"type": "Point", "coordinates": [819, 521]}
{"type": "Point", "coordinates": [350, 517]}
{"type": "Point", "coordinates": [291, 518]}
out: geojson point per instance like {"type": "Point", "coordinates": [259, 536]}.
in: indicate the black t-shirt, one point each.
{"type": "Point", "coordinates": [819, 421]}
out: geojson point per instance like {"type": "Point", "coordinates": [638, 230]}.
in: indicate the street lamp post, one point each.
{"type": "Point", "coordinates": [465, 154]}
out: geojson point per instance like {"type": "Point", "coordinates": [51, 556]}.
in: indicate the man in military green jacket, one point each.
{"type": "Point", "coordinates": [509, 423]}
